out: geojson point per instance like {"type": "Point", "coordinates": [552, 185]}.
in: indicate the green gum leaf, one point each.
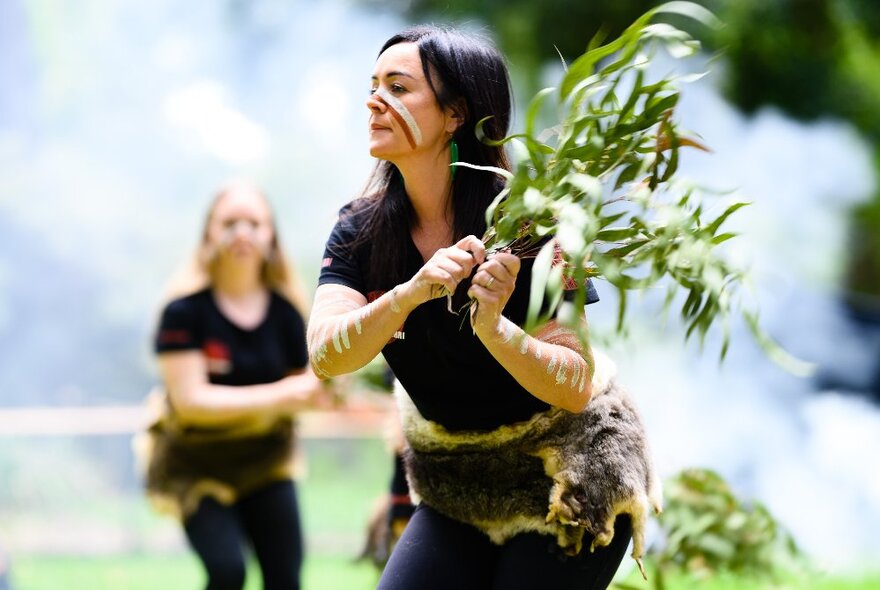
{"type": "Point", "coordinates": [540, 275]}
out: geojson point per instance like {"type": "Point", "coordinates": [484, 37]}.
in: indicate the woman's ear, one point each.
{"type": "Point", "coordinates": [457, 113]}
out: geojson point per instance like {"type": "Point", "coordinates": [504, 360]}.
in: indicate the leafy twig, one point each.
{"type": "Point", "coordinates": [602, 184]}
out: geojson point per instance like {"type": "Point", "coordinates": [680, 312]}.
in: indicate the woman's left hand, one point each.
{"type": "Point", "coordinates": [491, 288]}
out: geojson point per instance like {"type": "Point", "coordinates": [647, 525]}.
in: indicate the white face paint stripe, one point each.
{"type": "Point", "coordinates": [414, 134]}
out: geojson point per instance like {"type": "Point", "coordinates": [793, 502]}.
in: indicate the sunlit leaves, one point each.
{"type": "Point", "coordinates": [603, 182]}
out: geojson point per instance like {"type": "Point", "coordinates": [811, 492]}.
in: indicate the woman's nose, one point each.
{"type": "Point", "coordinates": [375, 104]}
{"type": "Point", "coordinates": [242, 228]}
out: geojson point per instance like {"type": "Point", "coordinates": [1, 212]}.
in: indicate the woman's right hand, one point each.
{"type": "Point", "coordinates": [442, 273]}
{"type": "Point", "coordinates": [307, 392]}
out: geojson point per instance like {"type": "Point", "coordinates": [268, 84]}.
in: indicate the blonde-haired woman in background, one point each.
{"type": "Point", "coordinates": [232, 357]}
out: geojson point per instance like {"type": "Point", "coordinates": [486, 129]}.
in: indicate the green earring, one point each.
{"type": "Point", "coordinates": [453, 150]}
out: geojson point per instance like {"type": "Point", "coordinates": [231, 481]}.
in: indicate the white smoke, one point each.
{"type": "Point", "coordinates": [808, 455]}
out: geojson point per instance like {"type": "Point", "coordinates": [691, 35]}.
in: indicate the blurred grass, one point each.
{"type": "Point", "coordinates": [121, 543]}
{"type": "Point", "coordinates": [729, 582]}
{"type": "Point", "coordinates": [143, 572]}
{"type": "Point", "coordinates": [342, 481]}
{"type": "Point", "coordinates": [322, 572]}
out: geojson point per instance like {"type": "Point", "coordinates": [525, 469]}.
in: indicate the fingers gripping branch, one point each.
{"type": "Point", "coordinates": [346, 332]}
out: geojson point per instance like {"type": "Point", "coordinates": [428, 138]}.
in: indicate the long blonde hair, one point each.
{"type": "Point", "coordinates": [278, 274]}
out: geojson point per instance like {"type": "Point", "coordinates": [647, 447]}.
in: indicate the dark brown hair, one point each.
{"type": "Point", "coordinates": [469, 73]}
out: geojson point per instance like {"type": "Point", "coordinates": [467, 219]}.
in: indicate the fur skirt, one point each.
{"type": "Point", "coordinates": [181, 465]}
{"type": "Point", "coordinates": [559, 473]}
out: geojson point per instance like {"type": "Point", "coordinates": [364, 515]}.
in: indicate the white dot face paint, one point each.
{"type": "Point", "coordinates": [247, 230]}
{"type": "Point", "coordinates": [234, 227]}
{"type": "Point", "coordinates": [402, 115]}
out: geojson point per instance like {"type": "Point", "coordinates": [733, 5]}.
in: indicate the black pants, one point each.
{"type": "Point", "coordinates": [436, 552]}
{"type": "Point", "coordinates": [267, 520]}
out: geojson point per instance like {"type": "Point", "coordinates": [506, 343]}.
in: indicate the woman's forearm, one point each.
{"type": "Point", "coordinates": [208, 404]}
{"type": "Point", "coordinates": [557, 374]}
{"type": "Point", "coordinates": [345, 334]}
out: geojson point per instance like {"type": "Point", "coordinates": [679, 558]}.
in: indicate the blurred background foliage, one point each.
{"type": "Point", "coordinates": [708, 532]}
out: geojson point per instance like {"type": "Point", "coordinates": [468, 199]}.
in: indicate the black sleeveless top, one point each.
{"type": "Point", "coordinates": [450, 376]}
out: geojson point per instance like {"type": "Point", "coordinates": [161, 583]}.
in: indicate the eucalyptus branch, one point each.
{"type": "Point", "coordinates": [598, 191]}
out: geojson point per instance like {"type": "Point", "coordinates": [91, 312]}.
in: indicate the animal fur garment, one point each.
{"type": "Point", "coordinates": [559, 473]}
{"type": "Point", "coordinates": [182, 465]}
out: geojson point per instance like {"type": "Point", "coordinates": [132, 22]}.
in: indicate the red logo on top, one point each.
{"type": "Point", "coordinates": [218, 357]}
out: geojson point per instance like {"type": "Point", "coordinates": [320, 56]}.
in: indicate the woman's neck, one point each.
{"type": "Point", "coordinates": [237, 281]}
{"type": "Point", "coordinates": [241, 297]}
{"type": "Point", "coordinates": [428, 184]}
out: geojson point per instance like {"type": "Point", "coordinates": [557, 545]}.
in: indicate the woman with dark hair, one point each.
{"type": "Point", "coordinates": [232, 356]}
{"type": "Point", "coordinates": [393, 255]}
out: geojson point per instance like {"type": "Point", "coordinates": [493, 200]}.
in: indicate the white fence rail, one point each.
{"type": "Point", "coordinates": [366, 420]}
